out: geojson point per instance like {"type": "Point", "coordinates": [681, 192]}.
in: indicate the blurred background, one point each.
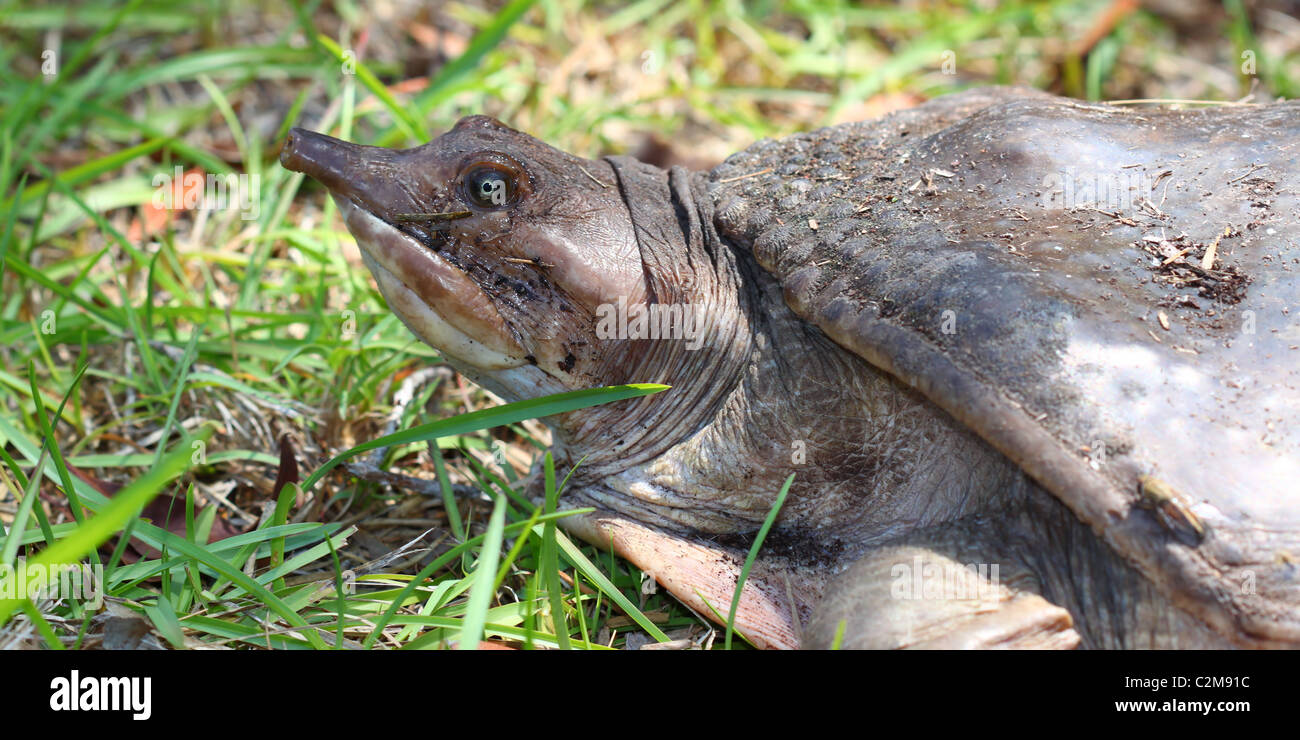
{"type": "Point", "coordinates": [256, 323]}
{"type": "Point", "coordinates": [709, 77]}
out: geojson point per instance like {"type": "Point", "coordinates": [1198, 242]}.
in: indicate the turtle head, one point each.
{"type": "Point", "coordinates": [536, 272]}
{"type": "Point", "coordinates": [491, 246]}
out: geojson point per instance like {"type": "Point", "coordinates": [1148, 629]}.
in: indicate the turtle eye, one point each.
{"type": "Point", "coordinates": [489, 185]}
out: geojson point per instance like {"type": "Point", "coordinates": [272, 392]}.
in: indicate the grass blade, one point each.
{"type": "Point", "coordinates": [493, 417]}
{"type": "Point", "coordinates": [97, 529]}
{"type": "Point", "coordinates": [484, 588]}
{"type": "Point", "coordinates": [753, 554]}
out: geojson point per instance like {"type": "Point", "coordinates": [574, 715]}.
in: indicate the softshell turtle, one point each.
{"type": "Point", "coordinates": [1033, 362]}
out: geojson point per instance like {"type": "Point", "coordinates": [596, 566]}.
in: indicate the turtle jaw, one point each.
{"type": "Point", "coordinates": [438, 302]}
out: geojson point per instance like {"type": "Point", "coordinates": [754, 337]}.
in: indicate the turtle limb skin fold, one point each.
{"type": "Point", "coordinates": [915, 598]}
{"type": "Point", "coordinates": [996, 580]}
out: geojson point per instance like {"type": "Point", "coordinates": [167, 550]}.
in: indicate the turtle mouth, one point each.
{"type": "Point", "coordinates": [437, 300]}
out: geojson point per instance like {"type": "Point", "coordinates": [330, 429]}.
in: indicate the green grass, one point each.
{"type": "Point", "coordinates": [170, 357]}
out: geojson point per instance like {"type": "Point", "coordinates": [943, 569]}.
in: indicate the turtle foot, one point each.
{"type": "Point", "coordinates": [778, 594]}
{"type": "Point", "coordinates": [913, 597]}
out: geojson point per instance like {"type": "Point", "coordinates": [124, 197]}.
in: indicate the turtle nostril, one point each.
{"type": "Point", "coordinates": [288, 151]}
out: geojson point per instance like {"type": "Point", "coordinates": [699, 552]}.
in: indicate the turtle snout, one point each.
{"type": "Point", "coordinates": [325, 159]}
{"type": "Point", "coordinates": [383, 181]}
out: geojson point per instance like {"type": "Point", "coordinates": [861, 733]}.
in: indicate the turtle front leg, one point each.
{"type": "Point", "coordinates": [935, 597]}
{"type": "Point", "coordinates": [778, 594]}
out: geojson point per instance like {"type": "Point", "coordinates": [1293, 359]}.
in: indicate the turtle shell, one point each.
{"type": "Point", "coordinates": [1108, 295]}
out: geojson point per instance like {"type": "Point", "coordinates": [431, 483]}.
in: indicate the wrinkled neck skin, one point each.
{"type": "Point", "coordinates": [764, 396]}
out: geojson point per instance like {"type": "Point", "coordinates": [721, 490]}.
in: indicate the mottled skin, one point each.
{"type": "Point", "coordinates": [957, 367]}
